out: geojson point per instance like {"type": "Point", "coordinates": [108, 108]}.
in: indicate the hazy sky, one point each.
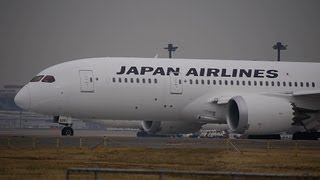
{"type": "Point", "coordinates": [35, 34]}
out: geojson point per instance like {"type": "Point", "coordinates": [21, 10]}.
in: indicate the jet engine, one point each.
{"type": "Point", "coordinates": [259, 115]}
{"type": "Point", "coordinates": [170, 127]}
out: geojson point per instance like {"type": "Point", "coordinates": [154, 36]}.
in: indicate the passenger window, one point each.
{"type": "Point", "coordinates": [113, 79]}
{"type": "Point", "coordinates": [48, 79]}
{"type": "Point", "coordinates": [214, 82]}
{"type": "Point", "coordinates": [249, 83]}
{"type": "Point", "coordinates": [190, 81]}
{"type": "Point", "coordinates": [119, 80]}
{"type": "Point", "coordinates": [261, 83]}
{"type": "Point", "coordinates": [137, 80]}
{"type": "Point", "coordinates": [278, 83]}
{"type": "Point", "coordinates": [226, 82]}
{"type": "Point", "coordinates": [37, 78]}
{"type": "Point", "coordinates": [295, 84]}
{"type": "Point", "coordinates": [208, 82]}
{"type": "Point", "coordinates": [272, 83]}
{"type": "Point", "coordinates": [284, 84]}
{"type": "Point", "coordinates": [220, 82]}
{"type": "Point", "coordinates": [243, 83]}
{"type": "Point", "coordinates": [290, 84]}
{"type": "Point", "coordinates": [307, 84]}
{"type": "Point", "coordinates": [155, 81]}
{"type": "Point", "coordinates": [149, 81]}
{"type": "Point", "coordinates": [255, 83]}
{"type": "Point", "coordinates": [231, 82]}
{"type": "Point", "coordinates": [143, 80]}
{"type": "Point", "coordinates": [301, 84]}
{"type": "Point", "coordinates": [202, 81]}
{"type": "Point", "coordinates": [197, 82]}
{"type": "Point", "coordinates": [125, 80]}
{"type": "Point", "coordinates": [131, 80]}
{"type": "Point", "coordinates": [313, 84]}
{"type": "Point", "coordinates": [238, 83]}
{"type": "Point", "coordinates": [267, 83]}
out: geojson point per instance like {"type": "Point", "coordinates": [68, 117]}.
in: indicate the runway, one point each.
{"type": "Point", "coordinates": [51, 138]}
{"type": "Point", "coordinates": [55, 132]}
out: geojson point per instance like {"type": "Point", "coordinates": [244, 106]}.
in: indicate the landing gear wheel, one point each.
{"type": "Point", "coordinates": [67, 131]}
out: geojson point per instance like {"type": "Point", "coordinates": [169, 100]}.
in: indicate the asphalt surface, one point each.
{"type": "Point", "coordinates": [56, 132]}
{"type": "Point", "coordinates": [51, 138]}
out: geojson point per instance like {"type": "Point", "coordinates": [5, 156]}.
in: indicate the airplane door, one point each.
{"type": "Point", "coordinates": [86, 81]}
{"type": "Point", "coordinates": [176, 84]}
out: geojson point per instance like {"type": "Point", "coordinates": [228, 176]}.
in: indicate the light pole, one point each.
{"type": "Point", "coordinates": [171, 49]}
{"type": "Point", "coordinates": [279, 46]}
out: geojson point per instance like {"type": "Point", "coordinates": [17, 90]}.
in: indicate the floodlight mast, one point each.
{"type": "Point", "coordinates": [279, 46]}
{"type": "Point", "coordinates": [171, 49]}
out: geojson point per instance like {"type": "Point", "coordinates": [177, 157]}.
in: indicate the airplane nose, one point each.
{"type": "Point", "coordinates": [22, 99]}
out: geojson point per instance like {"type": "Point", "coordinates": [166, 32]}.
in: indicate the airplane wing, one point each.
{"type": "Point", "coordinates": [221, 100]}
{"type": "Point", "coordinates": [313, 93]}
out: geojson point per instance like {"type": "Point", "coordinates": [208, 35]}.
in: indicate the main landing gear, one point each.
{"type": "Point", "coordinates": [67, 122]}
{"type": "Point", "coordinates": [306, 136]}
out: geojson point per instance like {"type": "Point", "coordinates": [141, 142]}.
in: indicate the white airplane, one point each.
{"type": "Point", "coordinates": [252, 97]}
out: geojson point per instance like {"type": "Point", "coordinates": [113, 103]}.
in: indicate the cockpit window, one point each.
{"type": "Point", "coordinates": [48, 79]}
{"type": "Point", "coordinates": [37, 78]}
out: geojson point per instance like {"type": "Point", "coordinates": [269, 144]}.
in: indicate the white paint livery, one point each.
{"type": "Point", "coordinates": [252, 97]}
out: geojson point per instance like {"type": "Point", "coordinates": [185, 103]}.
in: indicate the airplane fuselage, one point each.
{"type": "Point", "coordinates": [166, 89]}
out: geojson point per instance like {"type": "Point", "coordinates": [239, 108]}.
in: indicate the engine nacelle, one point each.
{"type": "Point", "coordinates": [170, 127]}
{"type": "Point", "coordinates": [259, 115]}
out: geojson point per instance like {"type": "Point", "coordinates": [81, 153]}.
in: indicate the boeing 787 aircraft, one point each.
{"type": "Point", "coordinates": [252, 97]}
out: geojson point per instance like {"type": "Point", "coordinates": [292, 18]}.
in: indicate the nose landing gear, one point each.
{"type": "Point", "coordinates": [67, 122]}
{"type": "Point", "coordinates": [67, 131]}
